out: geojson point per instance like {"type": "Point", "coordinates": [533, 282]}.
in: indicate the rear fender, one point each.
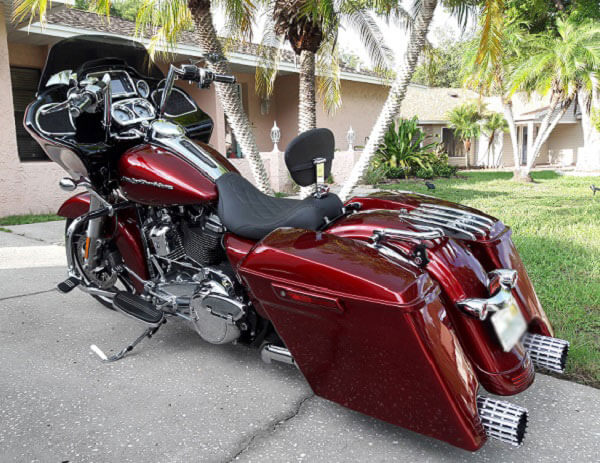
{"type": "Point", "coordinates": [367, 332]}
{"type": "Point", "coordinates": [127, 236]}
{"type": "Point", "coordinates": [495, 251]}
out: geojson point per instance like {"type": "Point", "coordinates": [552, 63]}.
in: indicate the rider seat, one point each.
{"type": "Point", "coordinates": [249, 213]}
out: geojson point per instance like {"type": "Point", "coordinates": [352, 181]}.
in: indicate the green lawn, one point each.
{"type": "Point", "coordinates": [556, 228]}
{"type": "Point", "coordinates": [28, 218]}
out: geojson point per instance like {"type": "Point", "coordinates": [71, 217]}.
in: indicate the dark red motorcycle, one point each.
{"type": "Point", "coordinates": [400, 306]}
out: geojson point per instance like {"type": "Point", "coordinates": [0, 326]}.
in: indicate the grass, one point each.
{"type": "Point", "coordinates": [556, 228]}
{"type": "Point", "coordinates": [28, 218]}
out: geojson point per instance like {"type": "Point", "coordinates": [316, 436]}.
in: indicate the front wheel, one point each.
{"type": "Point", "coordinates": [102, 276]}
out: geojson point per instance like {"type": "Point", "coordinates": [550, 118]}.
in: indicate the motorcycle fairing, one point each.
{"type": "Point", "coordinates": [367, 332]}
{"type": "Point", "coordinates": [127, 235]}
{"type": "Point", "coordinates": [494, 251]}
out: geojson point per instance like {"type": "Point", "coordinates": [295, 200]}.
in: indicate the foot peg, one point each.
{"type": "Point", "coordinates": [137, 307]}
{"type": "Point", "coordinates": [546, 352]}
{"type": "Point", "coordinates": [68, 285]}
{"type": "Point", "coordinates": [148, 333]}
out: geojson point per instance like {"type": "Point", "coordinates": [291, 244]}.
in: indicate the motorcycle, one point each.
{"type": "Point", "coordinates": [401, 306]}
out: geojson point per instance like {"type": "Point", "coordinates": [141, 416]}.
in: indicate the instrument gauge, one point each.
{"type": "Point", "coordinates": [143, 110]}
{"type": "Point", "coordinates": [143, 88]}
{"type": "Point", "coordinates": [122, 115]}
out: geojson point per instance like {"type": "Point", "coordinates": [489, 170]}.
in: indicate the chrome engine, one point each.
{"type": "Point", "coordinates": [189, 282]}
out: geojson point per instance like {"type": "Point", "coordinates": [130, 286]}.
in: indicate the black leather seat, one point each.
{"type": "Point", "coordinates": [249, 213]}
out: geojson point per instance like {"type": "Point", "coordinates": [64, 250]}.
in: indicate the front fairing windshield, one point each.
{"type": "Point", "coordinates": [77, 54]}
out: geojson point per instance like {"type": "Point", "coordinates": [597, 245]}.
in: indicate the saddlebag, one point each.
{"type": "Point", "coordinates": [367, 332]}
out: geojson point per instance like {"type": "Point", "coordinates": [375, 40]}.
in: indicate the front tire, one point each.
{"type": "Point", "coordinates": [121, 283]}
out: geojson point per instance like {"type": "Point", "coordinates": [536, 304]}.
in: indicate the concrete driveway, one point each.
{"type": "Point", "coordinates": [180, 399]}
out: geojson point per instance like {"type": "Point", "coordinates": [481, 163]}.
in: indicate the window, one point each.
{"type": "Point", "coordinates": [453, 147]}
{"type": "Point", "coordinates": [24, 84]}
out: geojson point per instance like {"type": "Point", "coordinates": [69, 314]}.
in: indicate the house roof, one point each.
{"type": "Point", "coordinates": [65, 21]}
{"type": "Point", "coordinates": [571, 116]}
{"type": "Point", "coordinates": [431, 105]}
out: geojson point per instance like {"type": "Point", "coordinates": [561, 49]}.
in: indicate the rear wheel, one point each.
{"type": "Point", "coordinates": [102, 276]}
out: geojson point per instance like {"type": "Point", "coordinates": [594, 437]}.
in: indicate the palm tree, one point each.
{"type": "Point", "coordinates": [489, 68]}
{"type": "Point", "coordinates": [166, 19]}
{"type": "Point", "coordinates": [464, 120]}
{"type": "Point", "coordinates": [391, 108]}
{"type": "Point", "coordinates": [285, 19]}
{"type": "Point", "coordinates": [559, 66]}
{"type": "Point", "coordinates": [493, 125]}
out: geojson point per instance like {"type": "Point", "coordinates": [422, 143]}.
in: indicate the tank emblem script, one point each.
{"type": "Point", "coordinates": [139, 181]}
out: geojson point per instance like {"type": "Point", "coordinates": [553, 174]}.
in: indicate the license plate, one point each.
{"type": "Point", "coordinates": [509, 325]}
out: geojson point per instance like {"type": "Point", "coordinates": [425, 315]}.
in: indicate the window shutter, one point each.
{"type": "Point", "coordinates": [24, 86]}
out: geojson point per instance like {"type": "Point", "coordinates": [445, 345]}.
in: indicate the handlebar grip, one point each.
{"type": "Point", "coordinates": [225, 79]}
{"type": "Point", "coordinates": [80, 105]}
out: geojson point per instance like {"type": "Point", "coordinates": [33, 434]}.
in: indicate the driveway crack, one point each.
{"type": "Point", "coordinates": [270, 428]}
{"type": "Point", "coordinates": [35, 293]}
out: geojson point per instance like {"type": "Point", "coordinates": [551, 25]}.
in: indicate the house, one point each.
{"type": "Point", "coordinates": [28, 182]}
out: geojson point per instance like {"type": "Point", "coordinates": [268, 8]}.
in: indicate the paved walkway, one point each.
{"type": "Point", "coordinates": [179, 399]}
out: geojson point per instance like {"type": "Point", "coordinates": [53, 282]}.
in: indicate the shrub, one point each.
{"type": "Point", "coordinates": [424, 172]}
{"type": "Point", "coordinates": [403, 148]}
{"type": "Point", "coordinates": [374, 175]}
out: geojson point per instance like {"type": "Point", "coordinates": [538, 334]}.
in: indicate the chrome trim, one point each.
{"type": "Point", "coordinates": [455, 222]}
{"type": "Point", "coordinates": [44, 108]}
{"type": "Point", "coordinates": [129, 107]}
{"type": "Point", "coordinates": [480, 308]}
{"type": "Point", "coordinates": [143, 93]}
{"type": "Point", "coordinates": [503, 420]}
{"type": "Point", "coordinates": [139, 181]}
{"type": "Point", "coordinates": [440, 223]}
{"type": "Point", "coordinates": [479, 225]}
{"type": "Point", "coordinates": [459, 211]}
{"type": "Point", "coordinates": [190, 151]}
{"type": "Point", "coordinates": [547, 352]}
{"type": "Point", "coordinates": [271, 352]}
{"type": "Point", "coordinates": [508, 277]}
{"type": "Point", "coordinates": [392, 233]}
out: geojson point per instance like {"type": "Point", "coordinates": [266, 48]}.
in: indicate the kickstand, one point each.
{"type": "Point", "coordinates": [148, 333]}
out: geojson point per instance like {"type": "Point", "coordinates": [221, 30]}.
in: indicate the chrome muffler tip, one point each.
{"type": "Point", "coordinates": [546, 352]}
{"type": "Point", "coordinates": [503, 420]}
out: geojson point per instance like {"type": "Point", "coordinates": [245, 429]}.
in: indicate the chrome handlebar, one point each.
{"type": "Point", "coordinates": [192, 73]}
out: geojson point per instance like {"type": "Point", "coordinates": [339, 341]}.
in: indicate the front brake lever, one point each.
{"type": "Point", "coordinates": [57, 108]}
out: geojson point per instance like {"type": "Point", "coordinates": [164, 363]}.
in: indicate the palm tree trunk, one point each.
{"type": "Point", "coordinates": [391, 108]}
{"type": "Point", "coordinates": [227, 93]}
{"type": "Point", "coordinates": [307, 103]}
{"type": "Point", "coordinates": [546, 127]}
{"type": "Point", "coordinates": [507, 107]}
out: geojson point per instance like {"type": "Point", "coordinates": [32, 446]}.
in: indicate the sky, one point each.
{"type": "Point", "coordinates": [443, 26]}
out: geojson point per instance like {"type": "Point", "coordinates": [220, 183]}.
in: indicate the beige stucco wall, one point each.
{"type": "Point", "coordinates": [25, 187]}
{"type": "Point", "coordinates": [564, 143]}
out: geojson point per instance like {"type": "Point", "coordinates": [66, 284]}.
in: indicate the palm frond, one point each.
{"type": "Point", "coordinates": [270, 50]}
{"type": "Point", "coordinates": [372, 39]}
{"type": "Point", "coordinates": [328, 76]}
{"type": "Point", "coordinates": [163, 21]}
{"type": "Point", "coordinates": [28, 10]}
{"type": "Point", "coordinates": [490, 44]}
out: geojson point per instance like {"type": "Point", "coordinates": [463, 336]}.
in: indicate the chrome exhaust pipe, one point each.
{"type": "Point", "coordinates": [502, 420]}
{"type": "Point", "coordinates": [546, 352]}
{"type": "Point", "coordinates": [272, 352]}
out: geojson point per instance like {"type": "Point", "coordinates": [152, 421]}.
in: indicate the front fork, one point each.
{"type": "Point", "coordinates": [94, 227]}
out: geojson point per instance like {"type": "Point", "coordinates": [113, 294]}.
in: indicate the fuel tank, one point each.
{"type": "Point", "coordinates": [184, 174]}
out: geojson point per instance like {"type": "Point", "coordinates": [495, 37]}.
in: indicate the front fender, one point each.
{"type": "Point", "coordinates": [127, 236]}
{"type": "Point", "coordinates": [75, 206]}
